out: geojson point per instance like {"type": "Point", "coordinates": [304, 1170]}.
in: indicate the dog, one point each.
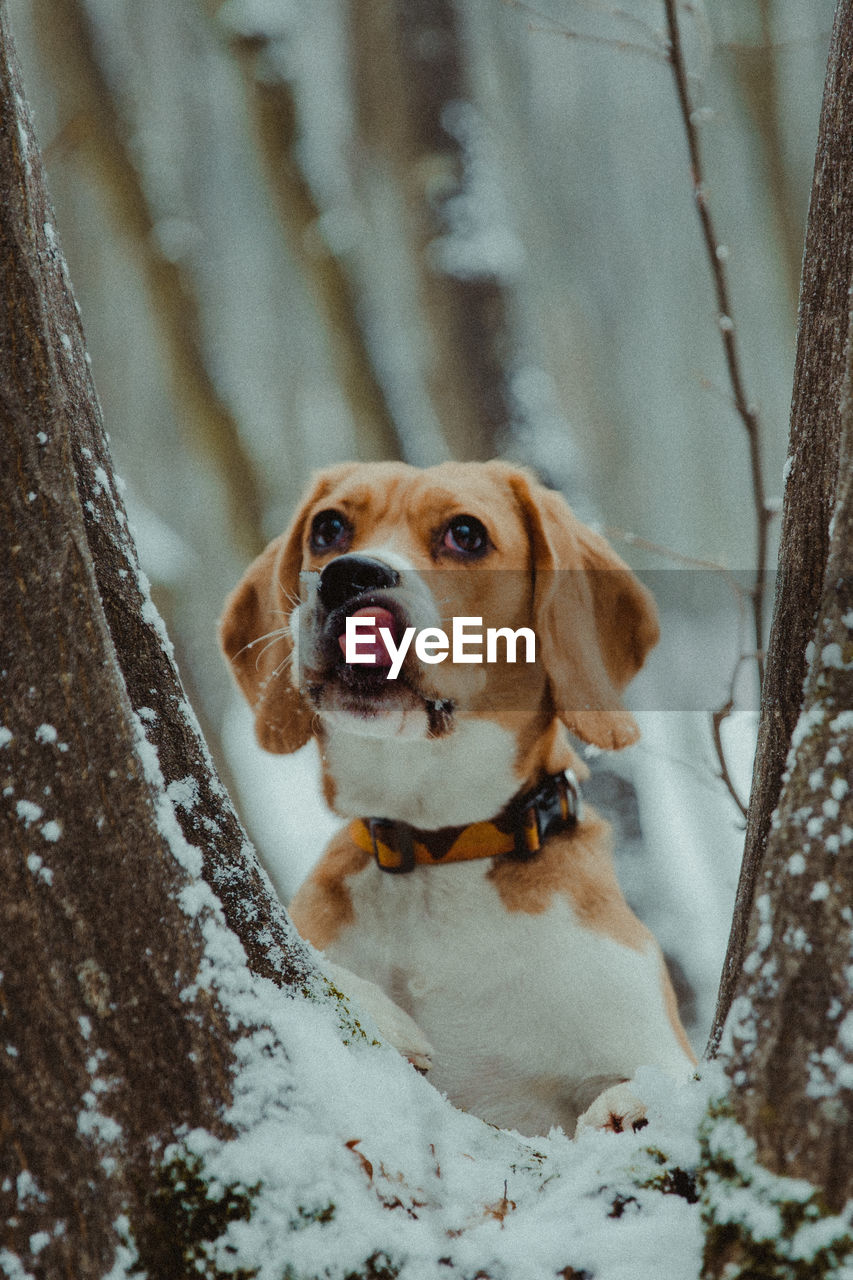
{"type": "Point", "coordinates": [469, 885]}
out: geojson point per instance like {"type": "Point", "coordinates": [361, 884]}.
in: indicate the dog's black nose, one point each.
{"type": "Point", "coordinates": [346, 577]}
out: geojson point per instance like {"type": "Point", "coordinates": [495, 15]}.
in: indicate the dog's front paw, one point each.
{"type": "Point", "coordinates": [392, 1022]}
{"type": "Point", "coordinates": [617, 1109]}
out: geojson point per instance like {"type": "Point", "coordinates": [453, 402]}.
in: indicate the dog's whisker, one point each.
{"type": "Point", "coordinates": [272, 636]}
{"type": "Point", "coordinates": [288, 657]}
{"type": "Point", "coordinates": [280, 635]}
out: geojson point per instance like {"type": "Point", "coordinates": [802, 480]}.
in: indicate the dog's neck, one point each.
{"type": "Point", "coordinates": [468, 776]}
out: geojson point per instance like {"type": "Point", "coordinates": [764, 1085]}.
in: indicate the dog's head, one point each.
{"type": "Point", "coordinates": [400, 548]}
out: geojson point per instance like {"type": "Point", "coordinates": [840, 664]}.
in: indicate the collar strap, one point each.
{"type": "Point", "coordinates": [518, 831]}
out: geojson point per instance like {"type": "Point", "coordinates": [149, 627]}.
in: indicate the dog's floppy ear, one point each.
{"type": "Point", "coordinates": [255, 636]}
{"type": "Point", "coordinates": [594, 621]}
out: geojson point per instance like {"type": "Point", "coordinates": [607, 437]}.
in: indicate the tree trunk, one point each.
{"type": "Point", "coordinates": [421, 138]}
{"type": "Point", "coordinates": [113, 1040]}
{"type": "Point", "coordinates": [787, 1045]}
{"type": "Point", "coordinates": [785, 1020]}
{"type": "Point", "coordinates": [812, 471]}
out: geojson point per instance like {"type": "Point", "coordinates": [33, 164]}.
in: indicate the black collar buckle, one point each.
{"type": "Point", "coordinates": [551, 807]}
{"type": "Point", "coordinates": [393, 845]}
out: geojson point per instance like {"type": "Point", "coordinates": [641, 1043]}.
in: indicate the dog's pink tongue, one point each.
{"type": "Point", "coordinates": [372, 643]}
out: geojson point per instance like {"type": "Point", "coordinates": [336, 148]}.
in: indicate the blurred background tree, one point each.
{"type": "Point", "coordinates": [431, 228]}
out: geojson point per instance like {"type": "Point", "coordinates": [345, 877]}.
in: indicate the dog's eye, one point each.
{"type": "Point", "coordinates": [467, 536]}
{"type": "Point", "coordinates": [330, 531]}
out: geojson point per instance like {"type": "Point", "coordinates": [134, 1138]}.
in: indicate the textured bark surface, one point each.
{"type": "Point", "coordinates": [813, 467]}
{"type": "Point", "coordinates": [108, 1046]}
{"type": "Point", "coordinates": [791, 1022]}
{"type": "Point", "coordinates": [787, 1044]}
{"type": "Point", "coordinates": [786, 1009]}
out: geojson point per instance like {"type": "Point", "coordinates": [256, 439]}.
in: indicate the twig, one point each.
{"type": "Point", "coordinates": [635, 540]}
{"type": "Point", "coordinates": [716, 257]}
{"type": "Point", "coordinates": [584, 37]}
{"type": "Point", "coordinates": [722, 713]}
{"type": "Point", "coordinates": [655, 49]}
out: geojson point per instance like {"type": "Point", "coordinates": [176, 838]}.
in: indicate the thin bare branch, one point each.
{"type": "Point", "coordinates": [717, 718]}
{"type": "Point", "coordinates": [607, 42]}
{"type": "Point", "coordinates": [717, 260]}
{"type": "Point", "coordinates": [655, 44]}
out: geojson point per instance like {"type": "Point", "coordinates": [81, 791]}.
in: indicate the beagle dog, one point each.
{"type": "Point", "coordinates": [469, 884]}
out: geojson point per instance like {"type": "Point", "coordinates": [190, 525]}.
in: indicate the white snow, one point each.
{"type": "Point", "coordinates": [28, 1189]}
{"type": "Point", "coordinates": [845, 1033]}
{"type": "Point", "coordinates": [28, 812]}
{"type": "Point", "coordinates": [808, 721]}
{"type": "Point", "coordinates": [183, 792]}
{"type": "Point", "coordinates": [479, 242]}
{"type": "Point", "coordinates": [831, 656]}
{"type": "Point", "coordinates": [13, 1268]}
{"type": "Point", "coordinates": [357, 1152]}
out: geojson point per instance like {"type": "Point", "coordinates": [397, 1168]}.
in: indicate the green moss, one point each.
{"type": "Point", "coordinates": [731, 1244]}
{"type": "Point", "coordinates": [307, 1217]}
{"type": "Point", "coordinates": [183, 1219]}
{"type": "Point", "coordinates": [377, 1267]}
{"type": "Point", "coordinates": [737, 1192]}
{"type": "Point", "coordinates": [347, 1021]}
{"type": "Point", "coordinates": [675, 1182]}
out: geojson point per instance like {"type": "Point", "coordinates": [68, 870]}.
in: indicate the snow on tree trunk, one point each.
{"type": "Point", "coordinates": [778, 1158]}
{"type": "Point", "coordinates": [112, 1041]}
{"type": "Point", "coordinates": [810, 473]}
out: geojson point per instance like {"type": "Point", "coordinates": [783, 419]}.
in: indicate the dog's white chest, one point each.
{"type": "Point", "coordinates": [523, 1010]}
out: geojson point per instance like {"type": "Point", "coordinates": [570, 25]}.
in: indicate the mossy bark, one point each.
{"type": "Point", "coordinates": [812, 472]}
{"type": "Point", "coordinates": [111, 1044]}
{"type": "Point", "coordinates": [785, 1022]}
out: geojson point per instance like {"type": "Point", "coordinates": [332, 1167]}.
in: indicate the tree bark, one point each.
{"type": "Point", "coordinates": [785, 1018]}
{"type": "Point", "coordinates": [787, 1044]}
{"type": "Point", "coordinates": [112, 1039]}
{"type": "Point", "coordinates": [811, 478]}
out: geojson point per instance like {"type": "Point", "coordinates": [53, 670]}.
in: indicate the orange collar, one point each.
{"type": "Point", "coordinates": [519, 830]}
